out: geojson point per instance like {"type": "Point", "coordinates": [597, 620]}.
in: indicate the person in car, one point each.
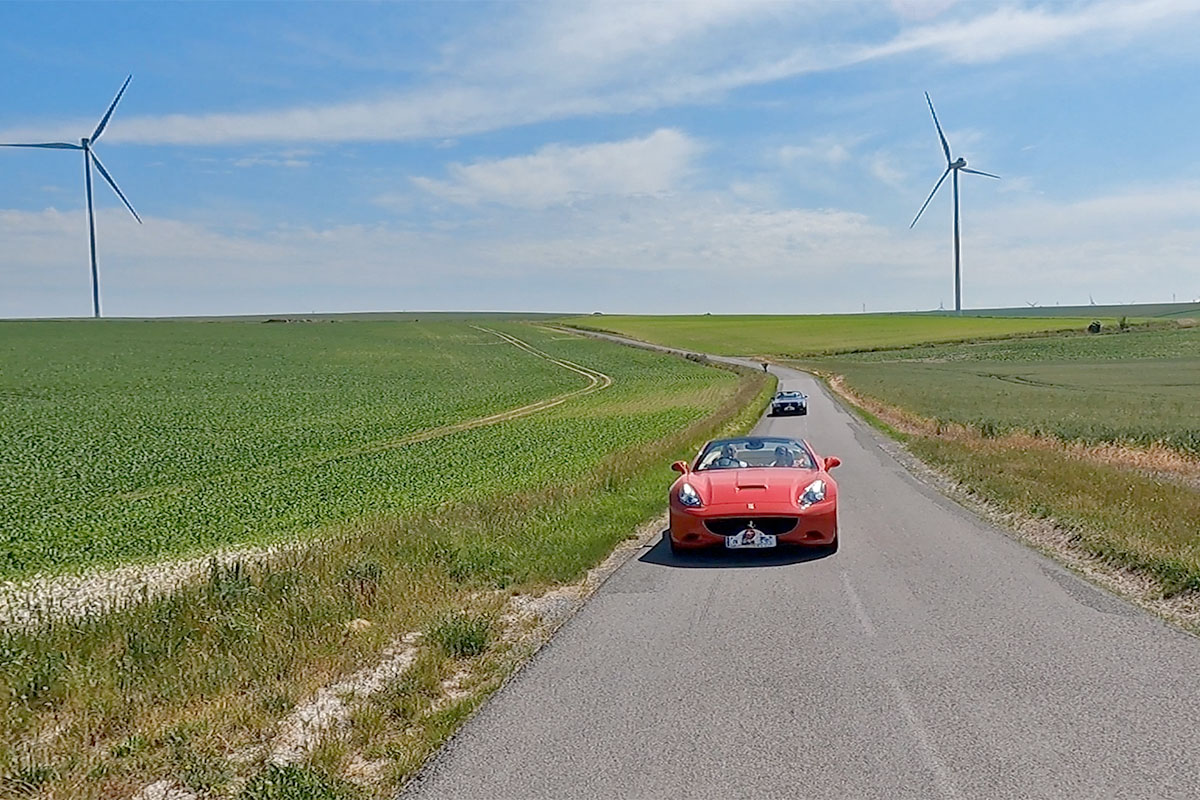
{"type": "Point", "coordinates": [783, 457]}
{"type": "Point", "coordinates": [728, 458]}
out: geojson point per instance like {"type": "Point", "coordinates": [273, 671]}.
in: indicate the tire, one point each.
{"type": "Point", "coordinates": [833, 546]}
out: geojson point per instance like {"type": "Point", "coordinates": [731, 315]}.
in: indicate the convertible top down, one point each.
{"type": "Point", "coordinates": [754, 492]}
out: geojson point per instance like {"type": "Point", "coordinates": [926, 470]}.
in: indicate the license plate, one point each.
{"type": "Point", "coordinates": [750, 537]}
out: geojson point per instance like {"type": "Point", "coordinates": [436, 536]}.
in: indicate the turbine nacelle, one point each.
{"type": "Point", "coordinates": [962, 162]}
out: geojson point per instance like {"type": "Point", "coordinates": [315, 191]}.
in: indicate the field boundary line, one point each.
{"type": "Point", "coordinates": [28, 602]}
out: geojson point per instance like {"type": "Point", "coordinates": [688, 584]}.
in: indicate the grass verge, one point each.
{"type": "Point", "coordinates": [192, 687]}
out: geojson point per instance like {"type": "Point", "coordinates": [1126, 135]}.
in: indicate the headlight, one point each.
{"type": "Point", "coordinates": [813, 493]}
{"type": "Point", "coordinates": [689, 497]}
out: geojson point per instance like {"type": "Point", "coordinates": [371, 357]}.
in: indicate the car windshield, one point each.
{"type": "Point", "coordinates": [755, 451]}
{"type": "Point", "coordinates": [786, 395]}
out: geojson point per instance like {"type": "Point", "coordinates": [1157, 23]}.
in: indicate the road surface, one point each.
{"type": "Point", "coordinates": [931, 657]}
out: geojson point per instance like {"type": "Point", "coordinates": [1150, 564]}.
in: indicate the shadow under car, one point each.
{"type": "Point", "coordinates": [722, 558]}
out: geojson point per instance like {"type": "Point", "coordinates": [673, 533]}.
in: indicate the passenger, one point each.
{"type": "Point", "coordinates": [783, 457]}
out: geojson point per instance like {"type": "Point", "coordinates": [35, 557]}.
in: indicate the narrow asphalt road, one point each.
{"type": "Point", "coordinates": [932, 657]}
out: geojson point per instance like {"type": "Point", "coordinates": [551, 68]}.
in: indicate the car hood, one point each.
{"type": "Point", "coordinates": [755, 485]}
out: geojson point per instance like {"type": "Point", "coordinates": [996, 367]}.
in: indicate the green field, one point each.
{"type": "Point", "coordinates": [139, 440]}
{"type": "Point", "coordinates": [795, 336]}
{"type": "Point", "coordinates": [1130, 310]}
{"type": "Point", "coordinates": [1140, 387]}
{"type": "Point", "coordinates": [231, 433]}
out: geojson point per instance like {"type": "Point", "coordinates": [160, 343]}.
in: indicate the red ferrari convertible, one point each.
{"type": "Point", "coordinates": [755, 491]}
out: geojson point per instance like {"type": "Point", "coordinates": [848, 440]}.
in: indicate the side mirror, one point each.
{"type": "Point", "coordinates": [681, 467]}
{"type": "Point", "coordinates": [832, 462]}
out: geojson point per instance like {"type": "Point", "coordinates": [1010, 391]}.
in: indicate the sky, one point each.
{"type": "Point", "coordinates": [693, 156]}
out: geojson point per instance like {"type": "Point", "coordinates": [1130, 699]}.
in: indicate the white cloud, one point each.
{"type": "Point", "coordinates": [1011, 30]}
{"type": "Point", "coordinates": [562, 60]}
{"type": "Point", "coordinates": [920, 9]}
{"type": "Point", "coordinates": [558, 174]}
{"type": "Point", "coordinates": [883, 167]}
{"type": "Point", "coordinates": [671, 252]}
{"type": "Point", "coordinates": [266, 161]}
{"type": "Point", "coordinates": [830, 150]}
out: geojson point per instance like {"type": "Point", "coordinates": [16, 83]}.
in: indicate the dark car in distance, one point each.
{"type": "Point", "coordinates": [789, 403]}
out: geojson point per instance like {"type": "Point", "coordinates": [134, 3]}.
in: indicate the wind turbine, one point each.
{"type": "Point", "coordinates": [90, 158]}
{"type": "Point", "coordinates": [956, 167]}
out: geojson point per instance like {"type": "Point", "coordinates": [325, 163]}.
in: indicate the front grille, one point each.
{"type": "Point", "coordinates": [728, 526]}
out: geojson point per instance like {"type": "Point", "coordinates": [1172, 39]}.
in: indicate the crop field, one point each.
{"type": "Point", "coordinates": [1140, 387]}
{"type": "Point", "coordinates": [358, 435]}
{"type": "Point", "coordinates": [796, 336]}
{"type": "Point", "coordinates": [141, 440]}
{"type": "Point", "coordinates": [1130, 311]}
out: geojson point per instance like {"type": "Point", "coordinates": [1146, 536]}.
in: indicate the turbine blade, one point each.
{"type": "Point", "coordinates": [117, 99]}
{"type": "Point", "coordinates": [942, 136]}
{"type": "Point", "coordinates": [113, 184]}
{"type": "Point", "coordinates": [977, 172]}
{"type": "Point", "coordinates": [48, 146]}
{"type": "Point", "coordinates": [936, 186]}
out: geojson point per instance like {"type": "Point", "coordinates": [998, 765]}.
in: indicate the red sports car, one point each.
{"type": "Point", "coordinates": [755, 491]}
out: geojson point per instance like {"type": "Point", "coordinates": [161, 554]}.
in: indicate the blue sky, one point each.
{"type": "Point", "coordinates": [711, 155]}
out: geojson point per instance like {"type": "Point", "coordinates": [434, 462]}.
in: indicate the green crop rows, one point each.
{"type": "Point", "coordinates": [139, 440]}
{"type": "Point", "coordinates": [784, 336]}
{"type": "Point", "coordinates": [1139, 387]}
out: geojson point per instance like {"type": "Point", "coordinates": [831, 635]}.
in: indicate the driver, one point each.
{"type": "Point", "coordinates": [728, 458]}
{"type": "Point", "coordinates": [783, 457]}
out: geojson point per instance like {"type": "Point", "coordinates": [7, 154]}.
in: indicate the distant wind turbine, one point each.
{"type": "Point", "coordinates": [89, 158]}
{"type": "Point", "coordinates": [956, 167]}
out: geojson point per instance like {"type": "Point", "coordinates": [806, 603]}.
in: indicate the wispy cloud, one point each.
{"type": "Point", "coordinates": [883, 167]}
{"type": "Point", "coordinates": [829, 150]}
{"type": "Point", "coordinates": [1013, 30]}
{"type": "Point", "coordinates": [290, 162]}
{"type": "Point", "coordinates": [557, 174]}
{"type": "Point", "coordinates": [568, 60]}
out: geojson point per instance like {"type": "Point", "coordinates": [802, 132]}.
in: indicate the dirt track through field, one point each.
{"type": "Point", "coordinates": [31, 601]}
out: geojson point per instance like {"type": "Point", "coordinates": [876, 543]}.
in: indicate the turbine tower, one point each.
{"type": "Point", "coordinates": [956, 167]}
{"type": "Point", "coordinates": [90, 158]}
